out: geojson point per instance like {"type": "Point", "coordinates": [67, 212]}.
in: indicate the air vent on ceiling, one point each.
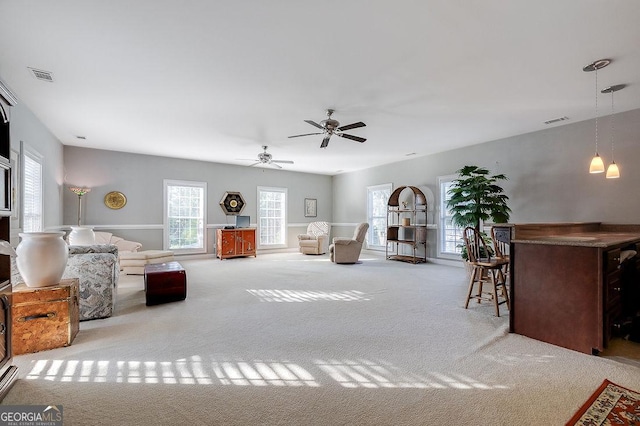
{"type": "Point", "coordinates": [555, 120]}
{"type": "Point", "coordinates": [42, 75]}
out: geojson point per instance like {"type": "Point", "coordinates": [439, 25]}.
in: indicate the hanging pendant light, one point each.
{"type": "Point", "coordinates": [613, 172]}
{"type": "Point", "coordinates": [597, 165]}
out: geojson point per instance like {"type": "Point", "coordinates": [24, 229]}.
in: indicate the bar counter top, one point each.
{"type": "Point", "coordinates": [583, 239]}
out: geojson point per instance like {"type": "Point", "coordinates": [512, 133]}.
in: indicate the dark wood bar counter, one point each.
{"type": "Point", "coordinates": [566, 281]}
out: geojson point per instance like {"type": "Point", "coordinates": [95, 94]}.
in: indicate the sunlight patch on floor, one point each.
{"type": "Point", "coordinates": [199, 370]}
{"type": "Point", "coordinates": [308, 296]}
{"type": "Point", "coordinates": [371, 375]}
{"type": "Point", "coordinates": [190, 371]}
{"type": "Point", "coordinates": [515, 359]}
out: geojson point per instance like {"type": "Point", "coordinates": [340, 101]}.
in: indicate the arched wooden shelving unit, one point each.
{"type": "Point", "coordinates": [407, 225]}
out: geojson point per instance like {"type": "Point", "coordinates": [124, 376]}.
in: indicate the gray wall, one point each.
{"type": "Point", "coordinates": [27, 130]}
{"type": "Point", "coordinates": [547, 171]}
{"type": "Point", "coordinates": [140, 178]}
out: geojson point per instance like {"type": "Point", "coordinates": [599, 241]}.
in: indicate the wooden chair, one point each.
{"type": "Point", "coordinates": [485, 270]}
{"type": "Point", "coordinates": [502, 252]}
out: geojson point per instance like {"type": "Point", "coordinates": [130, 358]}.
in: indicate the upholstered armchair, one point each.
{"type": "Point", "coordinates": [97, 269]}
{"type": "Point", "coordinates": [347, 250]}
{"type": "Point", "coordinates": [316, 240]}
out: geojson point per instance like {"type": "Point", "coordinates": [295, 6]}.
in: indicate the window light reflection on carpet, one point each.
{"type": "Point", "coordinates": [224, 371]}
{"type": "Point", "coordinates": [308, 295]}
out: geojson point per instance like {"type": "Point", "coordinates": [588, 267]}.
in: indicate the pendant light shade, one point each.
{"type": "Point", "coordinates": [597, 165]}
{"type": "Point", "coordinates": [612, 171]}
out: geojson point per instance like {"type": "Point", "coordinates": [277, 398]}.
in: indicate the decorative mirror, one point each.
{"type": "Point", "coordinates": [232, 203]}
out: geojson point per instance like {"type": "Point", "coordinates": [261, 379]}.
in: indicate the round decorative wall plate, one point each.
{"type": "Point", "coordinates": [115, 200]}
{"type": "Point", "coordinates": [232, 203]}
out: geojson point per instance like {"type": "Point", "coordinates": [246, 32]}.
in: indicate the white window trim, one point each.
{"type": "Point", "coordinates": [28, 151]}
{"type": "Point", "coordinates": [170, 182]}
{"type": "Point", "coordinates": [369, 237]}
{"type": "Point", "coordinates": [286, 217]}
{"type": "Point", "coordinates": [440, 222]}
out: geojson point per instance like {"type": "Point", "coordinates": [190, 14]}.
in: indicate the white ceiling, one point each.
{"type": "Point", "coordinates": [215, 80]}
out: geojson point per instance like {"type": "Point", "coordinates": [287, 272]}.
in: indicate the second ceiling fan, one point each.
{"type": "Point", "coordinates": [331, 127]}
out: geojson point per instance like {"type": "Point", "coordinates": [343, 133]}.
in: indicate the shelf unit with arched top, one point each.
{"type": "Point", "coordinates": [407, 225]}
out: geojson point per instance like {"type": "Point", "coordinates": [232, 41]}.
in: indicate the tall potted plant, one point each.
{"type": "Point", "coordinates": [476, 197]}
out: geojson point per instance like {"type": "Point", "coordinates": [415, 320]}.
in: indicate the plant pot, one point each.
{"type": "Point", "coordinates": [42, 258]}
{"type": "Point", "coordinates": [81, 236]}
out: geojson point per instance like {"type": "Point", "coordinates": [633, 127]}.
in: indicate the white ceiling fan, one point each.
{"type": "Point", "coordinates": [267, 159]}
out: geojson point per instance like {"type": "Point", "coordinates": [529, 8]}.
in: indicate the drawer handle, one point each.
{"type": "Point", "coordinates": [617, 289]}
{"type": "Point", "coordinates": [33, 317]}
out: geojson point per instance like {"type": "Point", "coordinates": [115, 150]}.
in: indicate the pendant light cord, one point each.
{"type": "Point", "coordinates": [596, 70]}
{"type": "Point", "coordinates": [612, 128]}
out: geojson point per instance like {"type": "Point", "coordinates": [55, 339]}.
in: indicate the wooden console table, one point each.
{"type": "Point", "coordinates": [566, 282]}
{"type": "Point", "coordinates": [235, 242]}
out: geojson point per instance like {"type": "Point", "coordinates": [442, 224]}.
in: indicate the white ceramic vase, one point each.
{"type": "Point", "coordinates": [42, 258]}
{"type": "Point", "coordinates": [81, 236]}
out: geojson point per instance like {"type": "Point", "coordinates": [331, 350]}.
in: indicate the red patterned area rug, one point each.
{"type": "Point", "coordinates": [609, 405]}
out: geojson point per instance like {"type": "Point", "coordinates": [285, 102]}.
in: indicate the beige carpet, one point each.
{"type": "Point", "coordinates": [296, 340]}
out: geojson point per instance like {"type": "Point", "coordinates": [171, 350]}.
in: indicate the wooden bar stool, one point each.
{"type": "Point", "coordinates": [485, 270]}
{"type": "Point", "coordinates": [502, 252]}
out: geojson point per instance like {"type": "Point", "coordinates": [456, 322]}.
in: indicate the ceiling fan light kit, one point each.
{"type": "Point", "coordinates": [332, 127]}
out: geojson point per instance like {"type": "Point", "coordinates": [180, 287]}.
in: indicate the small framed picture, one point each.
{"type": "Point", "coordinates": [310, 207]}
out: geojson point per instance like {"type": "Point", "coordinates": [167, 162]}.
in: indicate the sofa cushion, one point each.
{"type": "Point", "coordinates": [146, 255]}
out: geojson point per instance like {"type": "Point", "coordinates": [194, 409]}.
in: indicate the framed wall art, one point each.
{"type": "Point", "coordinates": [310, 207]}
{"type": "Point", "coordinates": [232, 203]}
{"type": "Point", "coordinates": [115, 200]}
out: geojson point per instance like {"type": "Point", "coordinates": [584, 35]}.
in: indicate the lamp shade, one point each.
{"type": "Point", "coordinates": [612, 171]}
{"type": "Point", "coordinates": [597, 165]}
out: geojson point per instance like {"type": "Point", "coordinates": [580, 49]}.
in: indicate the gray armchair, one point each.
{"type": "Point", "coordinates": [347, 250]}
{"type": "Point", "coordinates": [316, 240]}
{"type": "Point", "coordinates": [97, 268]}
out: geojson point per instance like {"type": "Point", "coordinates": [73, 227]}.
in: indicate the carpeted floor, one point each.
{"type": "Point", "coordinates": [291, 339]}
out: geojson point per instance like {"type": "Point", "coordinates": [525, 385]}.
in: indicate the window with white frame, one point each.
{"type": "Point", "coordinates": [185, 216]}
{"type": "Point", "coordinates": [32, 220]}
{"type": "Point", "coordinates": [450, 236]}
{"type": "Point", "coordinates": [377, 199]}
{"type": "Point", "coordinates": [272, 217]}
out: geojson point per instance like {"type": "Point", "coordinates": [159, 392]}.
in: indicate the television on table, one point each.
{"type": "Point", "coordinates": [242, 221]}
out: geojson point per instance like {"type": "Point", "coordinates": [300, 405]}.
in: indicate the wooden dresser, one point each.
{"type": "Point", "coordinates": [235, 242]}
{"type": "Point", "coordinates": [566, 281]}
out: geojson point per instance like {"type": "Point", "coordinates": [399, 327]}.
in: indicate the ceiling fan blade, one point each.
{"type": "Point", "coordinates": [313, 123]}
{"type": "Point", "coordinates": [306, 134]}
{"type": "Point", "coordinates": [352, 126]}
{"type": "Point", "coordinates": [282, 161]}
{"type": "Point", "coordinates": [353, 138]}
{"type": "Point", "coordinates": [254, 164]}
{"type": "Point", "coordinates": [325, 141]}
{"type": "Point", "coordinates": [274, 164]}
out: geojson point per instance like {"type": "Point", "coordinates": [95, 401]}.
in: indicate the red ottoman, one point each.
{"type": "Point", "coordinates": [164, 282]}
